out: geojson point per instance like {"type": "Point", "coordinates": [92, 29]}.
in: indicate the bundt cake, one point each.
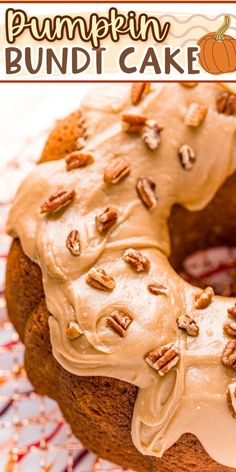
{"type": "Point", "coordinates": [141, 363]}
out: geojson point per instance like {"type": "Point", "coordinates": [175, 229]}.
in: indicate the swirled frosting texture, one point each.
{"type": "Point", "coordinates": [190, 398]}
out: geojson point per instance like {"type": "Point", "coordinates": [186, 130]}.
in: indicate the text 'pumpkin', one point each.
{"type": "Point", "coordinates": [218, 50]}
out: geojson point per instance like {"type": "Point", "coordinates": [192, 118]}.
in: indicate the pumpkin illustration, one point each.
{"type": "Point", "coordinates": [218, 50]}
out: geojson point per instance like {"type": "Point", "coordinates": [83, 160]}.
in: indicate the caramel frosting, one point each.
{"type": "Point", "coordinates": [191, 397]}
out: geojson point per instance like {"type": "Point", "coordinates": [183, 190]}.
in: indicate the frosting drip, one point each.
{"type": "Point", "coordinates": [191, 397]}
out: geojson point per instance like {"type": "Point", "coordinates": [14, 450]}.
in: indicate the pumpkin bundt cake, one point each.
{"type": "Point", "coordinates": [141, 363]}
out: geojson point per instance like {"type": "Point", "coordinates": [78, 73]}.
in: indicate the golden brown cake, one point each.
{"type": "Point", "coordinates": [141, 363]}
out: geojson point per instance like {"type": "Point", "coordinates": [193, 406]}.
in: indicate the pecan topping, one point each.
{"type": "Point", "coordinates": [77, 159]}
{"type": "Point", "coordinates": [80, 143]}
{"type": "Point", "coordinates": [138, 261]}
{"type": "Point", "coordinates": [195, 115]}
{"type": "Point", "coordinates": [232, 311]}
{"type": "Point", "coordinates": [133, 123]}
{"type": "Point", "coordinates": [106, 219]}
{"type": "Point", "coordinates": [230, 328]}
{"type": "Point", "coordinates": [119, 322]}
{"type": "Point", "coordinates": [157, 289]}
{"type": "Point", "coordinates": [152, 134]}
{"type": "Point", "coordinates": [57, 201]}
{"type": "Point", "coordinates": [189, 325]}
{"type": "Point", "coordinates": [189, 84]}
{"type": "Point", "coordinates": [164, 358]}
{"type": "Point", "coordinates": [139, 89]}
{"type": "Point", "coordinates": [187, 156]}
{"type": "Point", "coordinates": [228, 357]}
{"type": "Point", "coordinates": [226, 103]}
{"type": "Point", "coordinates": [146, 190]}
{"type": "Point", "coordinates": [117, 169]}
{"type": "Point", "coordinates": [73, 242]}
{"type": "Point", "coordinates": [203, 299]}
{"type": "Point", "coordinates": [231, 398]}
{"type": "Point", "coordinates": [99, 279]}
{"type": "Point", "coordinates": [73, 330]}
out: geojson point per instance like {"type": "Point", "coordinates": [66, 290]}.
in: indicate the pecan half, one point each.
{"type": "Point", "coordinates": [77, 159]}
{"type": "Point", "coordinates": [228, 357]}
{"type": "Point", "coordinates": [195, 114]}
{"type": "Point", "coordinates": [139, 89]}
{"type": "Point", "coordinates": [57, 201]}
{"type": "Point", "coordinates": [232, 311]}
{"type": "Point", "coordinates": [146, 190]}
{"type": "Point", "coordinates": [133, 123]}
{"type": "Point", "coordinates": [187, 156]}
{"type": "Point", "coordinates": [203, 299]}
{"type": "Point", "coordinates": [189, 84]}
{"type": "Point", "coordinates": [98, 278]}
{"type": "Point", "coordinates": [164, 358]}
{"type": "Point", "coordinates": [106, 219]}
{"type": "Point", "coordinates": [188, 324]}
{"type": "Point", "coordinates": [151, 135]}
{"type": "Point", "coordinates": [73, 331]}
{"type": "Point", "coordinates": [231, 398]}
{"type": "Point", "coordinates": [73, 242]}
{"type": "Point", "coordinates": [119, 322]}
{"type": "Point", "coordinates": [230, 328]}
{"type": "Point", "coordinates": [117, 169]}
{"type": "Point", "coordinates": [157, 288]}
{"type": "Point", "coordinates": [226, 103]}
{"type": "Point", "coordinates": [136, 260]}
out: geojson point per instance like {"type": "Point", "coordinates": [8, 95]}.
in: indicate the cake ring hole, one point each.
{"type": "Point", "coordinates": [210, 234]}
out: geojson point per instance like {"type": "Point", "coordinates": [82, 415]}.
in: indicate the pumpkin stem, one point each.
{"type": "Point", "coordinates": [220, 32]}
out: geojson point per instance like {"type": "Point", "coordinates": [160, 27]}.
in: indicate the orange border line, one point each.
{"type": "Point", "coordinates": [111, 81]}
{"type": "Point", "coordinates": [118, 2]}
